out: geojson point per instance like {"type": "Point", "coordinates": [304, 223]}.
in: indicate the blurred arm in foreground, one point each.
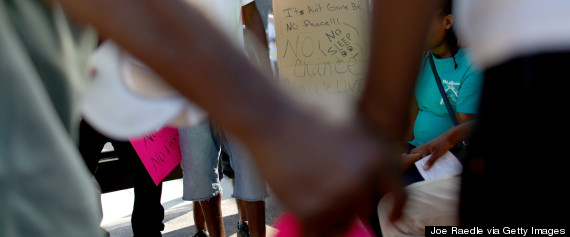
{"type": "Point", "coordinates": [177, 41]}
{"type": "Point", "coordinates": [399, 33]}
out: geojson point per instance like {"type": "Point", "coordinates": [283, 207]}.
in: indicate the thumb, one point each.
{"type": "Point", "coordinates": [399, 201]}
{"type": "Point", "coordinates": [436, 154]}
{"type": "Point", "coordinates": [394, 186]}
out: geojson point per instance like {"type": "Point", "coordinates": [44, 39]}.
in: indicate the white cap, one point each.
{"type": "Point", "coordinates": [127, 99]}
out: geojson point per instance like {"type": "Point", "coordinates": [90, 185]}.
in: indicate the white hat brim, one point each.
{"type": "Point", "coordinates": [119, 113]}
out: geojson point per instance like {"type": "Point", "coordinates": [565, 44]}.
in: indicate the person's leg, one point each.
{"type": "Point", "coordinates": [243, 228]}
{"type": "Point", "coordinates": [212, 212]}
{"type": "Point", "coordinates": [199, 221]}
{"type": "Point", "coordinates": [148, 212]}
{"type": "Point", "coordinates": [227, 169]}
{"type": "Point", "coordinates": [200, 174]}
{"type": "Point", "coordinates": [249, 188]}
{"type": "Point", "coordinates": [240, 206]}
{"type": "Point", "coordinates": [430, 203]}
{"type": "Point", "coordinates": [224, 158]}
{"type": "Point", "coordinates": [255, 214]}
{"type": "Point", "coordinates": [91, 143]}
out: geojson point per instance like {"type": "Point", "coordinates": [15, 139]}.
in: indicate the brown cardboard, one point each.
{"type": "Point", "coordinates": [322, 46]}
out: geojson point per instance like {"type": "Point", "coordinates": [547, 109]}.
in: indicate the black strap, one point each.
{"type": "Point", "coordinates": [442, 91]}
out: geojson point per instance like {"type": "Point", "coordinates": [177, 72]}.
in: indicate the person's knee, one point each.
{"type": "Point", "coordinates": [254, 205]}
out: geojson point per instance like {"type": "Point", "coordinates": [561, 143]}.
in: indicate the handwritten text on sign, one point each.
{"type": "Point", "coordinates": [322, 45]}
{"type": "Point", "coordinates": [159, 151]}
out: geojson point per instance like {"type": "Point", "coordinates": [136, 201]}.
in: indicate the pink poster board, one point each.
{"type": "Point", "coordinates": [289, 226]}
{"type": "Point", "coordinates": [159, 151]}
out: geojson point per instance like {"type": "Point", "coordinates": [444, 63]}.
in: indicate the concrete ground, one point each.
{"type": "Point", "coordinates": [178, 217]}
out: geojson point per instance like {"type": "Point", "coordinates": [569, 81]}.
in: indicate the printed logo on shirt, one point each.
{"type": "Point", "coordinates": [452, 90]}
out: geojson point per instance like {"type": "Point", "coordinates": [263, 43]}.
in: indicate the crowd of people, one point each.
{"type": "Point", "coordinates": [480, 76]}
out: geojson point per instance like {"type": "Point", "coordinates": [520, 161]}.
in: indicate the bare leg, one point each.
{"type": "Point", "coordinates": [199, 220]}
{"type": "Point", "coordinates": [241, 210]}
{"type": "Point", "coordinates": [240, 206]}
{"type": "Point", "coordinates": [212, 210]}
{"type": "Point", "coordinates": [256, 217]}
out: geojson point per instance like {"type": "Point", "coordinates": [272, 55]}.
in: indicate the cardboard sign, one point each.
{"type": "Point", "coordinates": [159, 151]}
{"type": "Point", "coordinates": [322, 53]}
{"type": "Point", "coordinates": [322, 45]}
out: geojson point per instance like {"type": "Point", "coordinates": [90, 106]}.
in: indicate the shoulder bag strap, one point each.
{"type": "Point", "coordinates": [442, 91]}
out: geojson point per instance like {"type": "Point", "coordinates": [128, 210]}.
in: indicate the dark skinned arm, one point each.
{"type": "Point", "coordinates": [441, 144]}
{"type": "Point", "coordinates": [399, 36]}
{"type": "Point", "coordinates": [255, 32]}
{"type": "Point", "coordinates": [176, 41]}
{"type": "Point", "coordinates": [253, 21]}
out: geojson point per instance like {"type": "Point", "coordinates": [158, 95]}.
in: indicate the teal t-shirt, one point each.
{"type": "Point", "coordinates": [463, 88]}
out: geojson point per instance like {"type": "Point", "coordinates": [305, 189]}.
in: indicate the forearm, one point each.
{"type": "Point", "coordinates": [459, 133]}
{"type": "Point", "coordinates": [167, 35]}
{"type": "Point", "coordinates": [395, 56]}
{"type": "Point", "coordinates": [253, 21]}
{"type": "Point", "coordinates": [254, 26]}
{"type": "Point", "coordinates": [463, 130]}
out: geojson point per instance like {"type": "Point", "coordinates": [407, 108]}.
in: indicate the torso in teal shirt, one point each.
{"type": "Point", "coordinates": [462, 86]}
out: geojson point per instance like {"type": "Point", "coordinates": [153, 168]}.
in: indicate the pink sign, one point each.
{"type": "Point", "coordinates": [289, 226]}
{"type": "Point", "coordinates": [159, 152]}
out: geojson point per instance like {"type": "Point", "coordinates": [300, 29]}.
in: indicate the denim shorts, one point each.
{"type": "Point", "coordinates": [249, 186]}
{"type": "Point", "coordinates": [200, 152]}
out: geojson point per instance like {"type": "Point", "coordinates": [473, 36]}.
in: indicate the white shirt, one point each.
{"type": "Point", "coordinates": [499, 30]}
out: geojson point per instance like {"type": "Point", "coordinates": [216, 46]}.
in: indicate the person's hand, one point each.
{"type": "Point", "coordinates": [436, 147]}
{"type": "Point", "coordinates": [327, 176]}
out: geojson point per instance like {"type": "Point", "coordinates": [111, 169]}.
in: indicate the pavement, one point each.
{"type": "Point", "coordinates": [178, 215]}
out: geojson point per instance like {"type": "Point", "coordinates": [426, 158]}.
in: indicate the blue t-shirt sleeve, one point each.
{"type": "Point", "coordinates": [470, 92]}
